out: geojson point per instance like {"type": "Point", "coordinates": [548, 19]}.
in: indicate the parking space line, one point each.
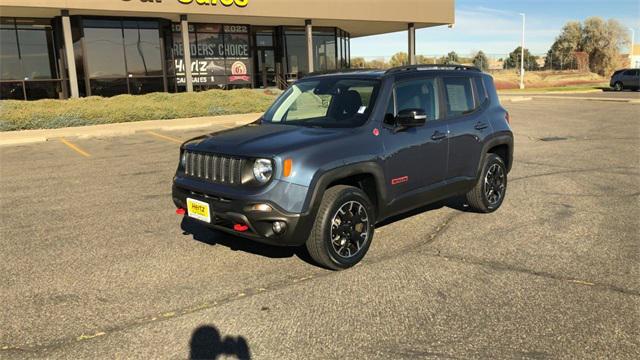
{"type": "Point", "coordinates": [75, 147]}
{"type": "Point", "coordinates": [165, 137]}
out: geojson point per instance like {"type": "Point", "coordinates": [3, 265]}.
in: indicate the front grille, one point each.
{"type": "Point", "coordinates": [214, 168]}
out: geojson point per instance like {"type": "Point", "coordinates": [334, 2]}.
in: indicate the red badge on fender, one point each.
{"type": "Point", "coordinates": [399, 180]}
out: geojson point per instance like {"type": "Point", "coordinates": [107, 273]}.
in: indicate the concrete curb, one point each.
{"type": "Point", "coordinates": [83, 132]}
{"type": "Point", "coordinates": [516, 98]}
{"type": "Point", "coordinates": [531, 93]}
{"type": "Point", "coordinates": [620, 100]}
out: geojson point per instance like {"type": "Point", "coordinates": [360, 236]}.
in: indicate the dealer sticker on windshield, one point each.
{"type": "Point", "coordinates": [198, 210]}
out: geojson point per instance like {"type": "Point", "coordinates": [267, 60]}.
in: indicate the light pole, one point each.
{"type": "Point", "coordinates": [522, 54]}
{"type": "Point", "coordinates": [633, 40]}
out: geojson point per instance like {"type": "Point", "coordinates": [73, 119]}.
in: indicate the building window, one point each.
{"type": "Point", "coordinates": [27, 60]}
{"type": "Point", "coordinates": [123, 56]}
{"type": "Point", "coordinates": [220, 56]}
{"type": "Point", "coordinates": [324, 49]}
{"type": "Point", "coordinates": [295, 53]}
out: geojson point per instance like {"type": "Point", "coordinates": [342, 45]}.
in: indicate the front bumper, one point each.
{"type": "Point", "coordinates": [226, 212]}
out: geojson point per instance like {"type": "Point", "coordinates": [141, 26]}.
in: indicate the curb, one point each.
{"type": "Point", "coordinates": [621, 100]}
{"type": "Point", "coordinates": [516, 98]}
{"type": "Point", "coordinates": [122, 129]}
{"type": "Point", "coordinates": [551, 92]}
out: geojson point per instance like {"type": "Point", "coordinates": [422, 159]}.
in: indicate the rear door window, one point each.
{"type": "Point", "coordinates": [459, 96]}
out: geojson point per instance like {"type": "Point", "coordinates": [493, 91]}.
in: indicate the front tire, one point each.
{"type": "Point", "coordinates": [343, 228]}
{"type": "Point", "coordinates": [618, 86]}
{"type": "Point", "coordinates": [490, 190]}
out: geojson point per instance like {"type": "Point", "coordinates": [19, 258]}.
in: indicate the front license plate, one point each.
{"type": "Point", "coordinates": [198, 210]}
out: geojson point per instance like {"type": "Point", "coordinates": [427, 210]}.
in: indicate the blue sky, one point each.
{"type": "Point", "coordinates": [495, 27]}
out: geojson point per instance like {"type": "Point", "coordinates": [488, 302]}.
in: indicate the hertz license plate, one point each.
{"type": "Point", "coordinates": [198, 210]}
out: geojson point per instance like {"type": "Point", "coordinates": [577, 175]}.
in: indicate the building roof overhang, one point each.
{"type": "Point", "coordinates": [358, 17]}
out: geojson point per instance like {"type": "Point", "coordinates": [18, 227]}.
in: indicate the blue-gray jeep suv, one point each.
{"type": "Point", "coordinates": [338, 153]}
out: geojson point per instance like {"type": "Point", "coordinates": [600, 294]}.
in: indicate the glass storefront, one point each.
{"type": "Point", "coordinates": [141, 55]}
{"type": "Point", "coordinates": [28, 65]}
{"type": "Point", "coordinates": [122, 57]}
{"type": "Point", "coordinates": [330, 51]}
{"type": "Point", "coordinates": [220, 56]}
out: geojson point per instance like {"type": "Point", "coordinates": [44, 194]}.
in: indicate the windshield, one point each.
{"type": "Point", "coordinates": [325, 103]}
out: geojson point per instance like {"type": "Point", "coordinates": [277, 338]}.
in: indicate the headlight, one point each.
{"type": "Point", "coordinates": [183, 159]}
{"type": "Point", "coordinates": [262, 170]}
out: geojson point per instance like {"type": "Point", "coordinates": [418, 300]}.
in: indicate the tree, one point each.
{"type": "Point", "coordinates": [376, 64]}
{"type": "Point", "coordinates": [481, 61]}
{"type": "Point", "coordinates": [561, 55]}
{"type": "Point", "coordinates": [358, 63]}
{"type": "Point", "coordinates": [399, 59]}
{"type": "Point", "coordinates": [513, 60]}
{"type": "Point", "coordinates": [451, 59]}
{"type": "Point", "coordinates": [600, 40]}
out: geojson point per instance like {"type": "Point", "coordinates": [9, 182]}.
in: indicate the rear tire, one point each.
{"type": "Point", "coordinates": [489, 192]}
{"type": "Point", "coordinates": [618, 86]}
{"type": "Point", "coordinates": [343, 228]}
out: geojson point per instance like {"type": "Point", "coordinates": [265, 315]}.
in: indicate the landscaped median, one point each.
{"type": "Point", "coordinates": [53, 114]}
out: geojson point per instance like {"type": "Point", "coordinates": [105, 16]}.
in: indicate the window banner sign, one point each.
{"type": "Point", "coordinates": [220, 55]}
{"type": "Point", "coordinates": [239, 71]}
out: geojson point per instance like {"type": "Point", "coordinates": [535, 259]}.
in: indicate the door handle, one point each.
{"type": "Point", "coordinates": [438, 135]}
{"type": "Point", "coordinates": [481, 126]}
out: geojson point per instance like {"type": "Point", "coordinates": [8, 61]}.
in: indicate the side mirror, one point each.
{"type": "Point", "coordinates": [411, 118]}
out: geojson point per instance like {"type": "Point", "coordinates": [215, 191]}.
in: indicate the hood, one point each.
{"type": "Point", "coordinates": [264, 139]}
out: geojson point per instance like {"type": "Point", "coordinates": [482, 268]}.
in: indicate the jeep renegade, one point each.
{"type": "Point", "coordinates": [338, 153]}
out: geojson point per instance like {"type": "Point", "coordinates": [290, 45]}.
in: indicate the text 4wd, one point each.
{"type": "Point", "coordinates": [338, 153]}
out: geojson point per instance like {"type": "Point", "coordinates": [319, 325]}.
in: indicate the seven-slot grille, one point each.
{"type": "Point", "coordinates": [215, 168]}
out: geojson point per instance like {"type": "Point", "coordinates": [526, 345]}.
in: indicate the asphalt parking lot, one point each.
{"type": "Point", "coordinates": [94, 262]}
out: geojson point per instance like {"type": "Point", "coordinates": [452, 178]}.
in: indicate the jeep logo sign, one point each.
{"type": "Point", "coordinates": [238, 3]}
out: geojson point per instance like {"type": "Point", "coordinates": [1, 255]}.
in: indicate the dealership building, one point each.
{"type": "Point", "coordinates": [77, 48]}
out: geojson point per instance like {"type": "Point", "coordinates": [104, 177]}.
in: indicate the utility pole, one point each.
{"type": "Point", "coordinates": [633, 40]}
{"type": "Point", "coordinates": [522, 54]}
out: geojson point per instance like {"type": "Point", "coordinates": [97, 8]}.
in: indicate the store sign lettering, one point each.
{"type": "Point", "coordinates": [238, 3]}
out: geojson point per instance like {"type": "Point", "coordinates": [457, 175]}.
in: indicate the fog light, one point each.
{"type": "Point", "coordinates": [279, 227]}
{"type": "Point", "coordinates": [260, 207]}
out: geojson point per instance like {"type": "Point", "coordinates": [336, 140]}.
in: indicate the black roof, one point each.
{"type": "Point", "coordinates": [378, 73]}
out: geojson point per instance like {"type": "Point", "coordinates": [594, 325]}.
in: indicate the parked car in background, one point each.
{"type": "Point", "coordinates": [625, 79]}
{"type": "Point", "coordinates": [337, 154]}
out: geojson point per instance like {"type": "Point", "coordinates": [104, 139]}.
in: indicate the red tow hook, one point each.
{"type": "Point", "coordinates": [240, 227]}
{"type": "Point", "coordinates": [181, 211]}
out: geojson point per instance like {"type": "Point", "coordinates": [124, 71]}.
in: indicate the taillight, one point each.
{"type": "Point", "coordinates": [507, 117]}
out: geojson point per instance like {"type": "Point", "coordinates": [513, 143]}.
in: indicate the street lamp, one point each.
{"type": "Point", "coordinates": [522, 54]}
{"type": "Point", "coordinates": [633, 40]}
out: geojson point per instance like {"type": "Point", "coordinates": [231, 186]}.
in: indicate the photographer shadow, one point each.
{"type": "Point", "coordinates": [207, 343]}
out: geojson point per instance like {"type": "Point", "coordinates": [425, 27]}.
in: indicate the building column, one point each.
{"type": "Point", "coordinates": [309, 31]}
{"type": "Point", "coordinates": [412, 44]}
{"type": "Point", "coordinates": [69, 54]}
{"type": "Point", "coordinates": [186, 49]}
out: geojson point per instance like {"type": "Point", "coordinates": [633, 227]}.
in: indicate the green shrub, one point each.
{"type": "Point", "coordinates": [51, 114]}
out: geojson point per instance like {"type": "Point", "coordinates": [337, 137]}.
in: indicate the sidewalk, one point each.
{"type": "Point", "coordinates": [34, 136]}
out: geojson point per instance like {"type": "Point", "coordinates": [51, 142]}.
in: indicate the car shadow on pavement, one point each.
{"type": "Point", "coordinates": [207, 343]}
{"type": "Point", "coordinates": [213, 237]}
{"type": "Point", "coordinates": [456, 203]}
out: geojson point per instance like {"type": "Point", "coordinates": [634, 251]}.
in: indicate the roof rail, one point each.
{"type": "Point", "coordinates": [432, 67]}
{"type": "Point", "coordinates": [338, 71]}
